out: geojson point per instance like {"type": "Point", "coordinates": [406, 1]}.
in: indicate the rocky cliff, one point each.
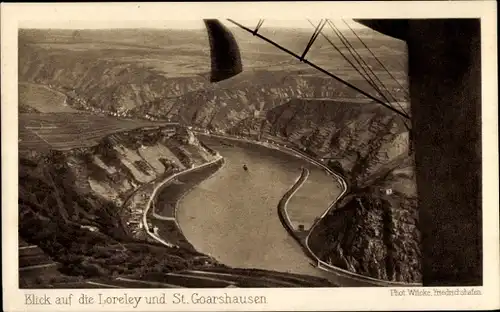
{"type": "Point", "coordinates": [74, 204]}
{"type": "Point", "coordinates": [374, 230]}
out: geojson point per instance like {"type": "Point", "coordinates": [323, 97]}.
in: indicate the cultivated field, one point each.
{"type": "Point", "coordinates": [35, 267]}
{"type": "Point", "coordinates": [43, 99]}
{"type": "Point", "coordinates": [179, 53]}
{"type": "Point", "coordinates": [65, 131]}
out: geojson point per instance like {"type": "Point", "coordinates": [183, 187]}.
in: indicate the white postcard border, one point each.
{"type": "Point", "coordinates": [135, 14]}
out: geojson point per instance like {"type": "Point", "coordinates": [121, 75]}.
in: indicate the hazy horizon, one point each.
{"type": "Point", "coordinates": [183, 24]}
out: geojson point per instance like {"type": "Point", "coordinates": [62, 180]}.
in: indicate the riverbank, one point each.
{"type": "Point", "coordinates": [299, 235]}
{"type": "Point", "coordinates": [169, 232]}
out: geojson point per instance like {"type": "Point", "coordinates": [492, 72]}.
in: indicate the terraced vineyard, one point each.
{"type": "Point", "coordinates": [43, 99]}
{"type": "Point", "coordinates": [37, 269]}
{"type": "Point", "coordinates": [228, 277]}
{"type": "Point", "coordinates": [64, 131]}
{"type": "Point", "coordinates": [263, 278]}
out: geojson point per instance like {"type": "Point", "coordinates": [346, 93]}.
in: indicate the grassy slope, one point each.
{"type": "Point", "coordinates": [54, 201]}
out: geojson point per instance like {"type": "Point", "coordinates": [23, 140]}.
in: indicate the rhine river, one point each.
{"type": "Point", "coordinates": [233, 217]}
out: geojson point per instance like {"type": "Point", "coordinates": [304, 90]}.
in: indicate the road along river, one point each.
{"type": "Point", "coordinates": [233, 215]}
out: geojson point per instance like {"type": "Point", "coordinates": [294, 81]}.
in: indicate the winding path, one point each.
{"type": "Point", "coordinates": [232, 215]}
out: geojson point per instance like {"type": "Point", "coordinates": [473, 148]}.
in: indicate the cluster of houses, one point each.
{"type": "Point", "coordinates": [135, 222]}
{"type": "Point", "coordinates": [83, 104]}
{"type": "Point", "coordinates": [120, 113]}
{"type": "Point", "coordinates": [136, 213]}
{"type": "Point", "coordinates": [152, 118]}
{"type": "Point", "coordinates": [206, 131]}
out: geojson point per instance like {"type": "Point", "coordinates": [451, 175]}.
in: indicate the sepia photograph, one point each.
{"type": "Point", "coordinates": [213, 153]}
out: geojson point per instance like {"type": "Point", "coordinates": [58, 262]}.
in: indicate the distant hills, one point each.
{"type": "Point", "coordinates": [294, 39]}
